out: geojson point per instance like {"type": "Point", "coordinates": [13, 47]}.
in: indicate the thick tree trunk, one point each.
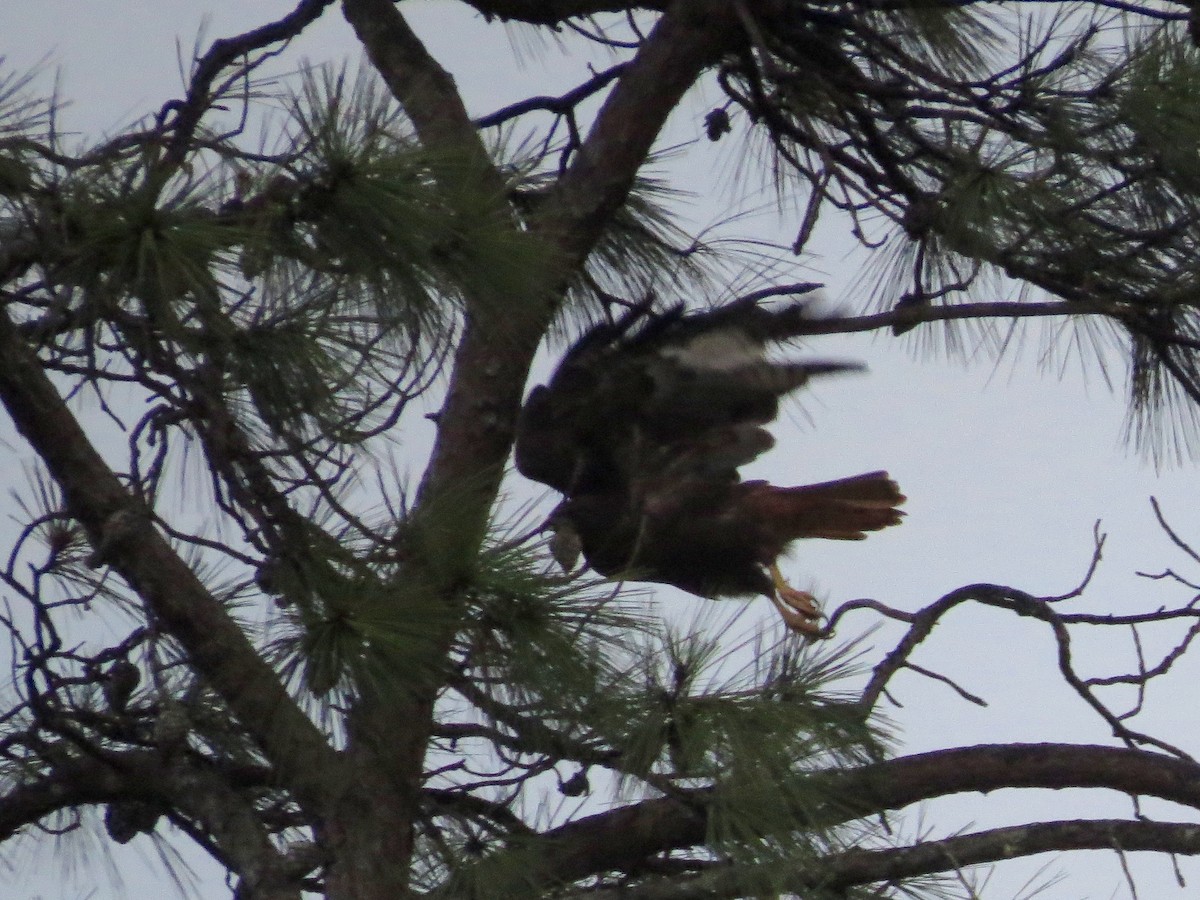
{"type": "Point", "coordinates": [490, 367]}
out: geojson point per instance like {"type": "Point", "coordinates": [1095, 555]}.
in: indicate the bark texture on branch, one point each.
{"type": "Point", "coordinates": [492, 360]}
{"type": "Point", "coordinates": [124, 537]}
{"type": "Point", "coordinates": [624, 837]}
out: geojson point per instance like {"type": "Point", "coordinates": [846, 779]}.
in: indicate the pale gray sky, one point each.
{"type": "Point", "coordinates": [1006, 469]}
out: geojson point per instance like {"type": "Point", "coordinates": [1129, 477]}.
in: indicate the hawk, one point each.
{"type": "Point", "coordinates": [643, 427]}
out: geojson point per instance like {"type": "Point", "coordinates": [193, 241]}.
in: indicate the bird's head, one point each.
{"type": "Point", "coordinates": [565, 544]}
{"type": "Point", "coordinates": [566, 547]}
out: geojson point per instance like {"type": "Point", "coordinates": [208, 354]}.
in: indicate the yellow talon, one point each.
{"type": "Point", "coordinates": [798, 608]}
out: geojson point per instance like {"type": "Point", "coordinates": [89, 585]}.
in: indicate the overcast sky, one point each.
{"type": "Point", "coordinates": [1006, 469]}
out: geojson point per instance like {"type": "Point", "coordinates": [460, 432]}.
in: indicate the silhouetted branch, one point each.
{"type": "Point", "coordinates": [859, 867]}
{"type": "Point", "coordinates": [224, 53]}
{"type": "Point", "coordinates": [552, 12]}
{"type": "Point", "coordinates": [620, 839]}
{"type": "Point", "coordinates": [560, 105]}
{"type": "Point", "coordinates": [921, 623]}
{"type": "Point", "coordinates": [120, 527]}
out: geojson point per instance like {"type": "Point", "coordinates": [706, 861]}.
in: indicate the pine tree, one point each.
{"type": "Point", "coordinates": [237, 622]}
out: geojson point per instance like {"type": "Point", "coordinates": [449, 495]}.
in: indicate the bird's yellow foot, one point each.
{"type": "Point", "coordinates": [798, 608]}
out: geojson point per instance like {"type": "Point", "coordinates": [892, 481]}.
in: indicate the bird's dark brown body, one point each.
{"type": "Point", "coordinates": [718, 538]}
{"type": "Point", "coordinates": [643, 428]}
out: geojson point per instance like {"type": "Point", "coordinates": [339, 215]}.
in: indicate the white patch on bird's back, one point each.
{"type": "Point", "coordinates": [724, 350]}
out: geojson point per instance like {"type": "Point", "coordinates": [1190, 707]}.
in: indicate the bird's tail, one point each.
{"type": "Point", "coordinates": [843, 510]}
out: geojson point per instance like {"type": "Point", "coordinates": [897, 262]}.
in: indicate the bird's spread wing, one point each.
{"type": "Point", "coordinates": [643, 428]}
{"type": "Point", "coordinates": [663, 392]}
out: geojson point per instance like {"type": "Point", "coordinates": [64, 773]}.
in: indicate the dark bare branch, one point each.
{"type": "Point", "coordinates": [623, 838]}
{"type": "Point", "coordinates": [223, 54]}
{"type": "Point", "coordinates": [554, 12]}
{"type": "Point", "coordinates": [859, 867]}
{"type": "Point", "coordinates": [117, 522]}
{"type": "Point", "coordinates": [560, 105]}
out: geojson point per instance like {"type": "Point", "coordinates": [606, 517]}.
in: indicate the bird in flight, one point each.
{"type": "Point", "coordinates": [643, 427]}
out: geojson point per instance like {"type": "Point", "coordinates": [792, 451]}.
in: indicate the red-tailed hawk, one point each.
{"type": "Point", "coordinates": [643, 427]}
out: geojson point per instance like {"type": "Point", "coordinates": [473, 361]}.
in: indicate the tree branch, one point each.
{"type": "Point", "coordinates": [907, 317]}
{"type": "Point", "coordinates": [500, 335]}
{"type": "Point", "coordinates": [226, 819]}
{"type": "Point", "coordinates": [119, 527]}
{"type": "Point", "coordinates": [856, 867]}
{"type": "Point", "coordinates": [842, 871]}
{"type": "Point", "coordinates": [221, 55]}
{"type": "Point", "coordinates": [421, 85]}
{"type": "Point", "coordinates": [499, 338]}
{"type": "Point", "coordinates": [688, 38]}
{"type": "Point", "coordinates": [560, 105]}
{"type": "Point", "coordinates": [552, 12]}
{"type": "Point", "coordinates": [75, 782]}
{"type": "Point", "coordinates": [236, 831]}
{"type": "Point", "coordinates": [623, 838]}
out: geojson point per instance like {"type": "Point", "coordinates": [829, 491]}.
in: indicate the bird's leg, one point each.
{"type": "Point", "coordinates": [798, 608]}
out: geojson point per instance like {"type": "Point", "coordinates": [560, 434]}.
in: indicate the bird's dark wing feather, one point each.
{"type": "Point", "coordinates": [643, 428]}
{"type": "Point", "coordinates": [654, 392]}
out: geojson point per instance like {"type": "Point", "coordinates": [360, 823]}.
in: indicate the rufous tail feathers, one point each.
{"type": "Point", "coordinates": [843, 510]}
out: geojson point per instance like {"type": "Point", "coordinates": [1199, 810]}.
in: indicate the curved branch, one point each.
{"type": "Point", "coordinates": [852, 868]}
{"type": "Point", "coordinates": [119, 527]}
{"type": "Point", "coordinates": [621, 839]}
{"type": "Point", "coordinates": [857, 867]}
{"type": "Point", "coordinates": [922, 622]}
{"type": "Point", "coordinates": [559, 105]}
{"type": "Point", "coordinates": [421, 85]}
{"type": "Point", "coordinates": [552, 12]}
{"type": "Point", "coordinates": [226, 818]}
{"type": "Point", "coordinates": [73, 783]}
{"type": "Point", "coordinates": [220, 56]}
